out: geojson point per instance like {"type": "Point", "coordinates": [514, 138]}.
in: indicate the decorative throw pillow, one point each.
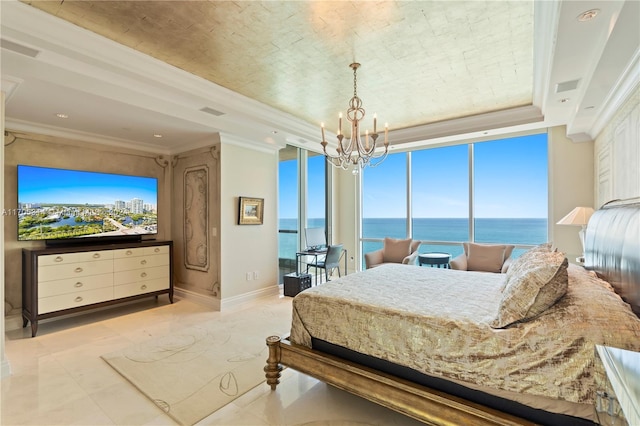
{"type": "Point", "coordinates": [523, 261]}
{"type": "Point", "coordinates": [486, 257]}
{"type": "Point", "coordinates": [540, 281]}
{"type": "Point", "coordinates": [396, 250]}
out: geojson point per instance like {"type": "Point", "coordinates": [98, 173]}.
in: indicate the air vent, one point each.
{"type": "Point", "coordinates": [566, 86]}
{"type": "Point", "coordinates": [18, 48]}
{"type": "Point", "coordinates": [212, 111]}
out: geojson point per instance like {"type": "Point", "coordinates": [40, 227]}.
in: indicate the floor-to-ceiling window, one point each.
{"type": "Point", "coordinates": [316, 190]}
{"type": "Point", "coordinates": [440, 198]}
{"type": "Point", "coordinates": [493, 192]}
{"type": "Point", "coordinates": [511, 191]}
{"type": "Point", "coordinates": [384, 200]}
{"type": "Point", "coordinates": [302, 195]}
{"type": "Point", "coordinates": [287, 209]}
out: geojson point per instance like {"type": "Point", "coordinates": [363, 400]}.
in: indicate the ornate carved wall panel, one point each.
{"type": "Point", "coordinates": [196, 218]}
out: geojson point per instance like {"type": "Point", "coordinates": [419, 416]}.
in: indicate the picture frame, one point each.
{"type": "Point", "coordinates": [250, 211]}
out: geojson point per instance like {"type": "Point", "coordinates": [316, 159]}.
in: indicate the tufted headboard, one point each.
{"type": "Point", "coordinates": [612, 248]}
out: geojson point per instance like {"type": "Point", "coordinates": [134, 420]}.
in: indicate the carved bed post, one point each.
{"type": "Point", "coordinates": [273, 368]}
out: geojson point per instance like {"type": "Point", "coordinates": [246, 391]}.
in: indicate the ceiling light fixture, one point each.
{"type": "Point", "coordinates": [588, 15]}
{"type": "Point", "coordinates": [61, 115]}
{"type": "Point", "coordinates": [157, 135]}
{"type": "Point", "coordinates": [355, 152]}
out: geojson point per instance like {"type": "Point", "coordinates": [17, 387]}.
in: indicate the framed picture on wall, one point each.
{"type": "Point", "coordinates": [250, 211]}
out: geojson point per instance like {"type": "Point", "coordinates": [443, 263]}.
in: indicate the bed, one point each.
{"type": "Point", "coordinates": [433, 344]}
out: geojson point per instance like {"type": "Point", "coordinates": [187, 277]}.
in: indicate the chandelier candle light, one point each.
{"type": "Point", "coordinates": [355, 152]}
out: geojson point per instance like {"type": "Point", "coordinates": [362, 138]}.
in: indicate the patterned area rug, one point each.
{"type": "Point", "coordinates": [192, 373]}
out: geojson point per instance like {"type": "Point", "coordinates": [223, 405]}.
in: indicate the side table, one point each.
{"type": "Point", "coordinates": [434, 259]}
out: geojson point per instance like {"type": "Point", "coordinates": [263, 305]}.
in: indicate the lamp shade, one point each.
{"type": "Point", "coordinates": [578, 216]}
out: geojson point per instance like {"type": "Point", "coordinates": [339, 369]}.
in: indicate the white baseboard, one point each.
{"type": "Point", "coordinates": [201, 299]}
{"type": "Point", "coordinates": [5, 369]}
{"type": "Point", "coordinates": [13, 322]}
{"type": "Point", "coordinates": [239, 301]}
{"type": "Point", "coordinates": [235, 302]}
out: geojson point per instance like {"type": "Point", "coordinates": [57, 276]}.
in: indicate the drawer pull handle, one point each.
{"type": "Point", "coordinates": [143, 287]}
{"type": "Point", "coordinates": [78, 284]}
{"type": "Point", "coordinates": [157, 250]}
{"type": "Point", "coordinates": [96, 255]}
{"type": "Point", "coordinates": [78, 269]}
{"type": "Point", "coordinates": [144, 274]}
{"type": "Point", "coordinates": [129, 253]}
{"type": "Point", "coordinates": [58, 259]}
{"type": "Point", "coordinates": [78, 299]}
{"type": "Point", "coordinates": [143, 262]}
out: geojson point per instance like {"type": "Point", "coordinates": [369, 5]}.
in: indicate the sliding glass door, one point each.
{"type": "Point", "coordinates": [302, 201]}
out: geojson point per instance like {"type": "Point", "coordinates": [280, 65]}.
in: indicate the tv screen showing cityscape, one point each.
{"type": "Point", "coordinates": [58, 204]}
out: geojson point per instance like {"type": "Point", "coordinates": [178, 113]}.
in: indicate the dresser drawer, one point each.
{"type": "Point", "coordinates": [73, 300]}
{"type": "Point", "coordinates": [128, 252]}
{"type": "Point", "coordinates": [73, 285]}
{"type": "Point", "coordinates": [71, 270]}
{"type": "Point", "coordinates": [156, 250]}
{"type": "Point", "coordinates": [140, 262]}
{"type": "Point", "coordinates": [136, 275]}
{"type": "Point", "coordinates": [66, 258]}
{"type": "Point", "coordinates": [134, 289]}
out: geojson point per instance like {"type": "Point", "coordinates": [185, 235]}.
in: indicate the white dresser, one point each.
{"type": "Point", "coordinates": [58, 281]}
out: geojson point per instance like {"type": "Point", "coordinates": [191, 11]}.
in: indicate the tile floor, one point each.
{"type": "Point", "coordinates": [58, 377]}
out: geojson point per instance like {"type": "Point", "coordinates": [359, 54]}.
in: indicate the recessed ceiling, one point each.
{"type": "Point", "coordinates": [270, 72]}
{"type": "Point", "coordinates": [422, 61]}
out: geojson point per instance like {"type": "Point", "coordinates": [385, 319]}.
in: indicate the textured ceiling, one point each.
{"type": "Point", "coordinates": [422, 61]}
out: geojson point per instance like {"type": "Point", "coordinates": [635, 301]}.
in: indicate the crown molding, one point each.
{"type": "Point", "coordinates": [461, 127]}
{"type": "Point", "coordinates": [13, 125]}
{"type": "Point", "coordinates": [546, 17]}
{"type": "Point", "coordinates": [230, 139]}
{"type": "Point", "coordinates": [626, 85]}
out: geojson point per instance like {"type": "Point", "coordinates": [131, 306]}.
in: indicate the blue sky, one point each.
{"type": "Point", "coordinates": [510, 181]}
{"type": "Point", "coordinates": [59, 186]}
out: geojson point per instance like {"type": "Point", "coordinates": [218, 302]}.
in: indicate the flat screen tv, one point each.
{"type": "Point", "coordinates": [62, 205]}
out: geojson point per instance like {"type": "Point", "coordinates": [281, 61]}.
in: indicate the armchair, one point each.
{"type": "Point", "coordinates": [483, 257]}
{"type": "Point", "coordinates": [393, 251]}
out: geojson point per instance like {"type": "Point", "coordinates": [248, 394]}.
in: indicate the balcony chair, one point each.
{"type": "Point", "coordinates": [393, 251]}
{"type": "Point", "coordinates": [330, 262]}
{"type": "Point", "coordinates": [483, 257]}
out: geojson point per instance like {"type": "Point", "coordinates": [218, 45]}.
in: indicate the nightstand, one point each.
{"type": "Point", "coordinates": [620, 404]}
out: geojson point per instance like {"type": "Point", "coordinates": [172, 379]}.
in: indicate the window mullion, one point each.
{"type": "Point", "coordinates": [471, 195]}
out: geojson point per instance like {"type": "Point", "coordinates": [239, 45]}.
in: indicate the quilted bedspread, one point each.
{"type": "Point", "coordinates": [436, 321]}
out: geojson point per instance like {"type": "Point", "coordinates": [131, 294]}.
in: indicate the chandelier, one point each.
{"type": "Point", "coordinates": [355, 151]}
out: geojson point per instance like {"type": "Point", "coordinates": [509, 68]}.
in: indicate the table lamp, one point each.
{"type": "Point", "coordinates": [578, 217]}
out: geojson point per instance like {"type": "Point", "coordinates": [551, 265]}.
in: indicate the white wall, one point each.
{"type": "Point", "coordinates": [346, 204]}
{"type": "Point", "coordinates": [247, 248]}
{"type": "Point", "coordinates": [570, 186]}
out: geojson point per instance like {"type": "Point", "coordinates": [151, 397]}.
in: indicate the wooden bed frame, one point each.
{"type": "Point", "coordinates": [419, 402]}
{"type": "Point", "coordinates": [607, 234]}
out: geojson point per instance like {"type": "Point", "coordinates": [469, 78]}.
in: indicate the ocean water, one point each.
{"type": "Point", "coordinates": [453, 231]}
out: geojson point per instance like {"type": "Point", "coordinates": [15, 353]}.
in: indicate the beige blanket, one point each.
{"type": "Point", "coordinates": [436, 322]}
